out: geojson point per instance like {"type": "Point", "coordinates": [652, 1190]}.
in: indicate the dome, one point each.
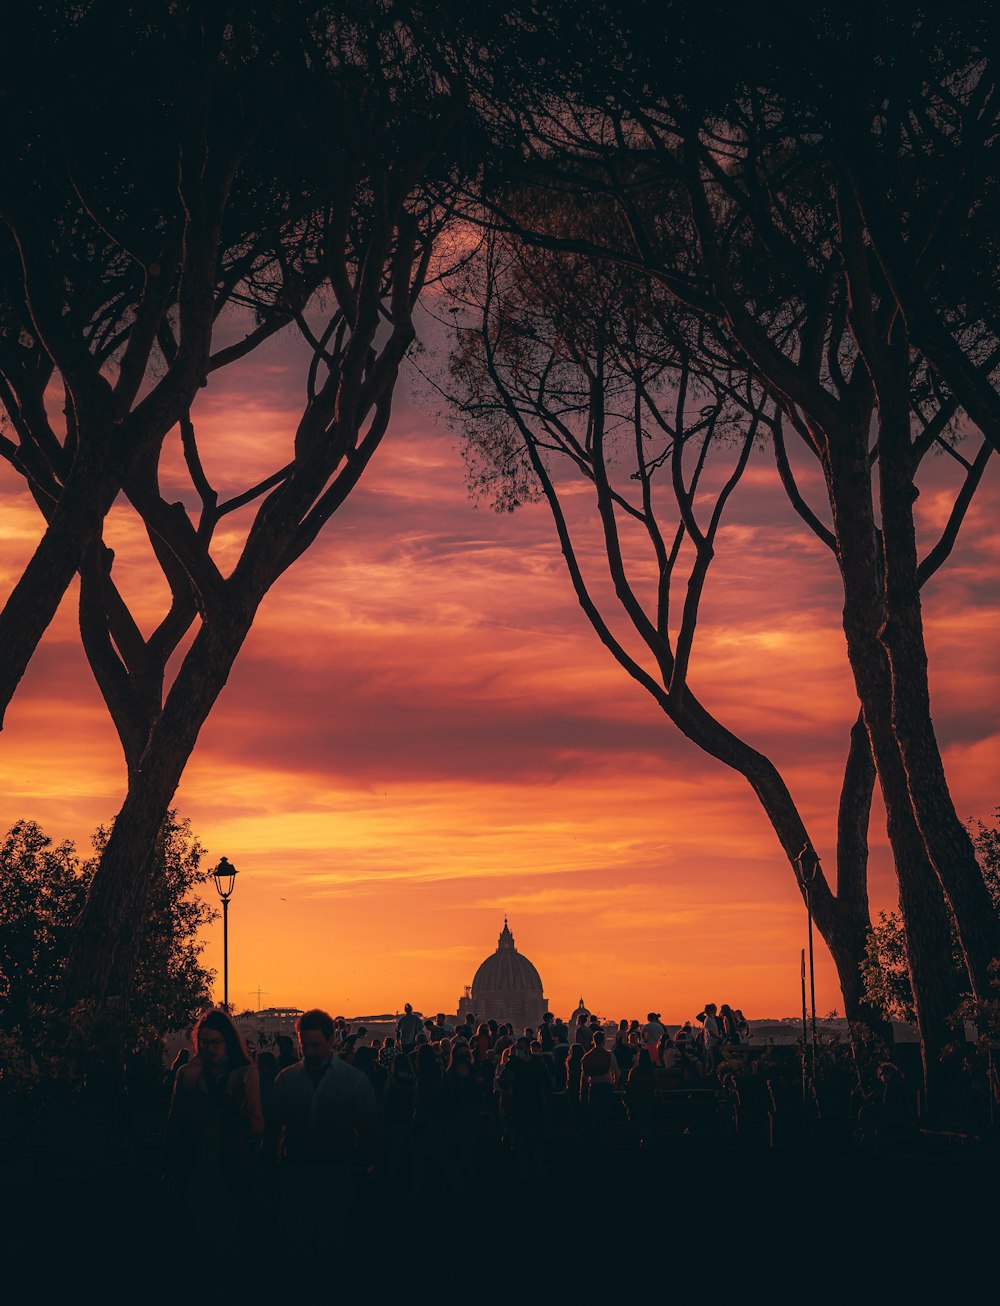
{"type": "Point", "coordinates": [506, 987]}
{"type": "Point", "coordinates": [506, 970]}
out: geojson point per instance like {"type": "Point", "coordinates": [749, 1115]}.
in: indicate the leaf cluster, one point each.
{"type": "Point", "coordinates": [42, 889]}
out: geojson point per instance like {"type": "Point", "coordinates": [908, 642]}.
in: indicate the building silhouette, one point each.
{"type": "Point", "coordinates": [506, 988]}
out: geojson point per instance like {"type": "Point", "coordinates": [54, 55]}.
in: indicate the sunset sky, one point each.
{"type": "Point", "coordinates": [422, 734]}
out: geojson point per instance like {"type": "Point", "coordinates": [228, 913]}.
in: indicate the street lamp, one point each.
{"type": "Point", "coordinates": [225, 881]}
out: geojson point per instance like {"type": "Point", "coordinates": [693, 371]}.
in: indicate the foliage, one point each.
{"type": "Point", "coordinates": [42, 889]}
{"type": "Point", "coordinates": [884, 970]}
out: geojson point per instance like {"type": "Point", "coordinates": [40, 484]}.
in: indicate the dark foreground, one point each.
{"type": "Point", "coordinates": [729, 1204]}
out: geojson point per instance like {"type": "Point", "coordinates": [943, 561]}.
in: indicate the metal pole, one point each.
{"type": "Point", "coordinates": [225, 953]}
{"type": "Point", "coordinates": [812, 974]}
{"type": "Point", "coordinates": [804, 1018]}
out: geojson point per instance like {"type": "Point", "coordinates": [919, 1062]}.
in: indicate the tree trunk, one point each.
{"type": "Point", "coordinates": [922, 902]}
{"type": "Point", "coordinates": [843, 924]}
{"type": "Point", "coordinates": [106, 939]}
{"type": "Point", "coordinates": [948, 844]}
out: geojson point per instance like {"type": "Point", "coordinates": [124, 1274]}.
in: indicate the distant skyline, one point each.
{"type": "Point", "coordinates": [422, 733]}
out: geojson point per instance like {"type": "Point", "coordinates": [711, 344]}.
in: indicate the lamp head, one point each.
{"type": "Point", "coordinates": [225, 878]}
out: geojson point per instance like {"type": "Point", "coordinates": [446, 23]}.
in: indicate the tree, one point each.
{"type": "Point", "coordinates": [42, 889]}
{"type": "Point", "coordinates": [575, 371]}
{"type": "Point", "coordinates": [734, 194]}
{"type": "Point", "coordinates": [345, 125]}
{"type": "Point", "coordinates": [885, 973]}
{"type": "Point", "coordinates": [127, 234]}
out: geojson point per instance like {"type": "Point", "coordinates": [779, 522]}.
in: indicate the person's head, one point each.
{"type": "Point", "coordinates": [267, 1066]}
{"type": "Point", "coordinates": [408, 1009]}
{"type": "Point", "coordinates": [216, 1040]}
{"type": "Point", "coordinates": [623, 1027]}
{"type": "Point", "coordinates": [428, 1025]}
{"type": "Point", "coordinates": [644, 1062]}
{"type": "Point", "coordinates": [402, 1067]}
{"type": "Point", "coordinates": [710, 1008]}
{"type": "Point", "coordinates": [521, 1049]}
{"type": "Point", "coordinates": [181, 1059]}
{"type": "Point", "coordinates": [484, 1031]}
{"type": "Point", "coordinates": [598, 1038]}
{"type": "Point", "coordinates": [576, 1054]}
{"type": "Point", "coordinates": [547, 1018]}
{"type": "Point", "coordinates": [634, 1038]}
{"type": "Point", "coordinates": [461, 1060]}
{"type": "Point", "coordinates": [535, 1047]}
{"type": "Point", "coordinates": [317, 1036]}
{"type": "Point", "coordinates": [427, 1060]}
{"type": "Point", "coordinates": [364, 1058]}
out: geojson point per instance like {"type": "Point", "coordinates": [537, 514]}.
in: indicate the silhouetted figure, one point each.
{"type": "Point", "coordinates": [365, 1060]}
{"type": "Point", "coordinates": [728, 1025]}
{"type": "Point", "coordinates": [323, 1133]}
{"type": "Point", "coordinates": [215, 1121]}
{"type": "Point", "coordinates": [286, 1051]}
{"type": "Point", "coordinates": [267, 1071]}
{"type": "Point", "coordinates": [582, 1035]}
{"type": "Point", "coordinates": [407, 1029]}
{"type": "Point", "coordinates": [640, 1095]}
{"type": "Point", "coordinates": [652, 1032]}
{"type": "Point", "coordinates": [529, 1095]}
{"type": "Point", "coordinates": [461, 1099]}
{"type": "Point", "coordinates": [711, 1037]}
{"type": "Point", "coordinates": [431, 1126]}
{"type": "Point", "coordinates": [398, 1101]}
{"type": "Point", "coordinates": [574, 1075]}
{"type": "Point", "coordinates": [622, 1050]}
{"type": "Point", "coordinates": [598, 1077]}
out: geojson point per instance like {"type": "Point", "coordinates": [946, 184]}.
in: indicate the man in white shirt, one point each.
{"type": "Point", "coordinates": [322, 1131]}
{"type": "Point", "coordinates": [652, 1032]}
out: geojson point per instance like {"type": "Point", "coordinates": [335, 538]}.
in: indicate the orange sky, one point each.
{"type": "Point", "coordinates": [422, 733]}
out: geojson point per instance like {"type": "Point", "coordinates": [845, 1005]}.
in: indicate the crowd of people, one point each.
{"type": "Point", "coordinates": [309, 1120]}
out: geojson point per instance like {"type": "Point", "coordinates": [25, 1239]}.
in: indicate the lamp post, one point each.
{"type": "Point", "coordinates": [225, 881]}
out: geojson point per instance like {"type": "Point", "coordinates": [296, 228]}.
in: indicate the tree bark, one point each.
{"type": "Point", "coordinates": [106, 939]}
{"type": "Point", "coordinates": [948, 844]}
{"type": "Point", "coordinates": [921, 899]}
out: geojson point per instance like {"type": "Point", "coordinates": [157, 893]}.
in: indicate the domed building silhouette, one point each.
{"type": "Point", "coordinates": [506, 988]}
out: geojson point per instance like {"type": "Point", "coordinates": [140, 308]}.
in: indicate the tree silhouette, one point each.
{"type": "Point", "coordinates": [315, 132]}
{"type": "Point", "coordinates": [734, 195]}
{"type": "Point", "coordinates": [576, 365]}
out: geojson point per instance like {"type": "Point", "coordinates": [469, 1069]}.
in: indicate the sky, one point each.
{"type": "Point", "coordinates": [423, 734]}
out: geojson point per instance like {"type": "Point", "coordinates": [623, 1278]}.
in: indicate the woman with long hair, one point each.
{"type": "Point", "coordinates": [215, 1121]}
